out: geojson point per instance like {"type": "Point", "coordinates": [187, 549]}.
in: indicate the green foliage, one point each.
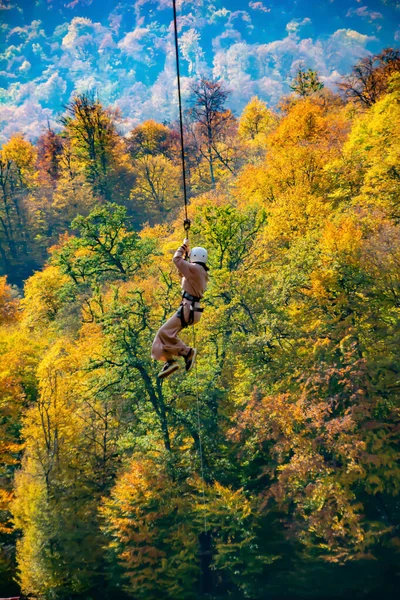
{"type": "Point", "coordinates": [306, 83]}
{"type": "Point", "coordinates": [229, 233]}
{"type": "Point", "coordinates": [104, 249]}
{"type": "Point", "coordinates": [371, 157]}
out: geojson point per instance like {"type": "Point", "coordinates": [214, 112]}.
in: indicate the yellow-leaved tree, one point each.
{"type": "Point", "coordinates": [255, 123]}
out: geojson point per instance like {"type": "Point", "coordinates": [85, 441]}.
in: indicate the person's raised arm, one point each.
{"type": "Point", "coordinates": [179, 259]}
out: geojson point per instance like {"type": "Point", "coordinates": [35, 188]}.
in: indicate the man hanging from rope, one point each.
{"type": "Point", "coordinates": [167, 346]}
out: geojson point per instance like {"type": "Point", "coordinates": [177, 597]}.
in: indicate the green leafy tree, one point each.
{"type": "Point", "coordinates": [306, 83]}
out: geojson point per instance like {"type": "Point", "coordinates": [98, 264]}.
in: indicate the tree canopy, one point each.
{"type": "Point", "coordinates": [292, 415]}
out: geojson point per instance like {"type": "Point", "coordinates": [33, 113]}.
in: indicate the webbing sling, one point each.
{"type": "Point", "coordinates": [192, 309]}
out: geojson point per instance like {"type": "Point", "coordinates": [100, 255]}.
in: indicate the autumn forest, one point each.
{"type": "Point", "coordinates": [293, 414]}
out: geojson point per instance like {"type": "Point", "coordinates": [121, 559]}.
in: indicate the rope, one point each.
{"type": "Point", "coordinates": [199, 434]}
{"type": "Point", "coordinates": [186, 226]}
{"type": "Point", "coordinates": [180, 117]}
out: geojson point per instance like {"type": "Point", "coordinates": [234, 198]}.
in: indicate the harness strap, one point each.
{"type": "Point", "coordinates": [190, 297]}
{"type": "Point", "coordinates": [192, 309]}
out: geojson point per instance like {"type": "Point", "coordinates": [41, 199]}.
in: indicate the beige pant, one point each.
{"type": "Point", "coordinates": [167, 345]}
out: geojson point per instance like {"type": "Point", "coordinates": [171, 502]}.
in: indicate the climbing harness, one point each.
{"type": "Point", "coordinates": [192, 308]}
{"type": "Point", "coordinates": [192, 299]}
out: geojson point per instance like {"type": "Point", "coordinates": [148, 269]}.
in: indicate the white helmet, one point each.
{"type": "Point", "coordinates": [198, 254]}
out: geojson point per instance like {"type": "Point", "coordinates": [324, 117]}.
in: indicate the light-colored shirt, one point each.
{"type": "Point", "coordinates": [194, 276]}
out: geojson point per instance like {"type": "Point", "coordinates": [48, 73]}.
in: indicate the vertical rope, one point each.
{"type": "Point", "coordinates": [180, 109]}
{"type": "Point", "coordinates": [187, 226]}
{"type": "Point", "coordinates": [199, 434]}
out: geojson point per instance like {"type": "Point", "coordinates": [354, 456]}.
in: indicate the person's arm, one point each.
{"type": "Point", "coordinates": [184, 267]}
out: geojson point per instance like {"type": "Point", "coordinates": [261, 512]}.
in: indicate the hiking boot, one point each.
{"type": "Point", "coordinates": [170, 367]}
{"type": "Point", "coordinates": [190, 358]}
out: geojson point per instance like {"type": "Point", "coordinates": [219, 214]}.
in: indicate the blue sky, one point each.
{"type": "Point", "coordinates": [124, 49]}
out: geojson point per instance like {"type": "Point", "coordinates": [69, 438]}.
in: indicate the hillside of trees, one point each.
{"type": "Point", "coordinates": [298, 376]}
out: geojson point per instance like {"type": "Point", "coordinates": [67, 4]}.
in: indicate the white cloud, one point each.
{"type": "Point", "coordinates": [331, 80]}
{"type": "Point", "coordinates": [131, 43]}
{"type": "Point", "coordinates": [345, 47]}
{"type": "Point", "coordinates": [271, 89]}
{"type": "Point", "coordinates": [130, 103]}
{"type": "Point", "coordinates": [38, 50]}
{"type": "Point", "coordinates": [19, 92]}
{"type": "Point", "coordinates": [189, 44]}
{"type": "Point", "coordinates": [268, 69]}
{"type": "Point", "coordinates": [107, 43]}
{"type": "Point", "coordinates": [75, 3]}
{"type": "Point", "coordinates": [61, 30]}
{"type": "Point", "coordinates": [259, 6]}
{"type": "Point", "coordinates": [160, 5]}
{"type": "Point", "coordinates": [90, 82]}
{"type": "Point", "coordinates": [365, 13]}
{"type": "Point", "coordinates": [25, 67]}
{"type": "Point", "coordinates": [240, 14]}
{"type": "Point", "coordinates": [6, 6]}
{"type": "Point", "coordinates": [53, 88]}
{"type": "Point", "coordinates": [84, 38]}
{"type": "Point", "coordinates": [350, 37]}
{"type": "Point", "coordinates": [30, 118]}
{"type": "Point", "coordinates": [296, 24]}
{"type": "Point", "coordinates": [26, 34]}
{"type": "Point", "coordinates": [225, 40]}
{"type": "Point", "coordinates": [115, 21]}
{"type": "Point", "coordinates": [222, 13]}
{"type": "Point", "coordinates": [163, 94]}
{"type": "Point", "coordinates": [227, 64]}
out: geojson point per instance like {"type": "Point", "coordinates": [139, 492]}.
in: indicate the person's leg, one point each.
{"type": "Point", "coordinates": [167, 346]}
{"type": "Point", "coordinates": [190, 357]}
{"type": "Point", "coordinates": [169, 367]}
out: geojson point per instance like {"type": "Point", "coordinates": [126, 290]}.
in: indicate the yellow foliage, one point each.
{"type": "Point", "coordinates": [342, 237]}
{"type": "Point", "coordinates": [41, 301]}
{"type": "Point", "coordinates": [373, 151]}
{"type": "Point", "coordinates": [22, 154]}
{"type": "Point", "coordinates": [256, 122]}
{"type": "Point", "coordinates": [8, 303]}
{"type": "Point", "coordinates": [157, 184]}
{"type": "Point", "coordinates": [253, 187]}
{"type": "Point", "coordinates": [74, 195]}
